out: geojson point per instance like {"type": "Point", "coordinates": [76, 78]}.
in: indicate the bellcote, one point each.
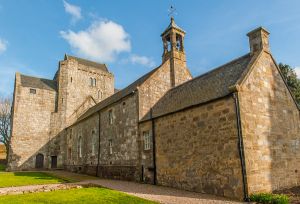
{"type": "Point", "coordinates": [173, 42]}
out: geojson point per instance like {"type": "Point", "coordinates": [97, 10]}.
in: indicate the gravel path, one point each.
{"type": "Point", "coordinates": [151, 192]}
{"type": "Point", "coordinates": [159, 193]}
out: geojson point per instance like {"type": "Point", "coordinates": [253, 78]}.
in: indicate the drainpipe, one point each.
{"type": "Point", "coordinates": [154, 148]}
{"type": "Point", "coordinates": [98, 162]}
{"type": "Point", "coordinates": [241, 146]}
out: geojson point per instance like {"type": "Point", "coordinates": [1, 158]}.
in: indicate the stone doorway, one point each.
{"type": "Point", "coordinates": [39, 161]}
{"type": "Point", "coordinates": [53, 162]}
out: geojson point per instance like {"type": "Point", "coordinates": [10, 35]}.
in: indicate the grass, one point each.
{"type": "Point", "coordinates": [269, 198]}
{"type": "Point", "coordinates": [2, 167]}
{"type": "Point", "coordinates": [83, 195]}
{"type": "Point", "coordinates": [9, 179]}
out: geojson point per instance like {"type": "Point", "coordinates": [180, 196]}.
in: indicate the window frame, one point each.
{"type": "Point", "coordinates": [147, 140]}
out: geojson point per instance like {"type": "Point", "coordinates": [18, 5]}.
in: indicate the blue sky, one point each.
{"type": "Point", "coordinates": [35, 35]}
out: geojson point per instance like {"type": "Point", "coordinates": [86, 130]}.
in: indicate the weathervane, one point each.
{"type": "Point", "coordinates": [172, 11]}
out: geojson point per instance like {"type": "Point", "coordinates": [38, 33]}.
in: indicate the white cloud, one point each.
{"type": "Point", "coordinates": [143, 60]}
{"type": "Point", "coordinates": [3, 45]}
{"type": "Point", "coordinates": [73, 10]}
{"type": "Point", "coordinates": [102, 41]}
{"type": "Point", "coordinates": [297, 70]}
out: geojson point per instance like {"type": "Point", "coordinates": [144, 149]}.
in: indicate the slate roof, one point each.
{"type": "Point", "coordinates": [88, 62]}
{"type": "Point", "coordinates": [204, 88]}
{"type": "Point", "coordinates": [34, 82]}
{"type": "Point", "coordinates": [117, 96]}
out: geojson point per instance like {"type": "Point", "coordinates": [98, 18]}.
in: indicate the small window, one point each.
{"type": "Point", "coordinates": [93, 142]}
{"type": "Point", "coordinates": [33, 91]}
{"type": "Point", "coordinates": [110, 117]}
{"type": "Point", "coordinates": [71, 79]}
{"type": "Point", "coordinates": [147, 141]}
{"type": "Point", "coordinates": [93, 82]}
{"type": "Point", "coordinates": [80, 147]}
{"type": "Point", "coordinates": [70, 153]}
{"type": "Point", "coordinates": [110, 146]}
{"type": "Point", "coordinates": [100, 94]}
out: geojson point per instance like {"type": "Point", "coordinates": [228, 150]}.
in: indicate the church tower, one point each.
{"type": "Point", "coordinates": [173, 44]}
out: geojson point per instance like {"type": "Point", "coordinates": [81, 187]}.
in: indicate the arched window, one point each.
{"type": "Point", "coordinates": [80, 147]}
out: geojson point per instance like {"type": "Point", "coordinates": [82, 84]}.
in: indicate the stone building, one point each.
{"type": "Point", "coordinates": [233, 131]}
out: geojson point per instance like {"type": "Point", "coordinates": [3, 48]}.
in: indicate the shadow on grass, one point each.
{"type": "Point", "coordinates": [40, 176]}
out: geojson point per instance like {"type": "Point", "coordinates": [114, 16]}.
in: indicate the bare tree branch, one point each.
{"type": "Point", "coordinates": [5, 121]}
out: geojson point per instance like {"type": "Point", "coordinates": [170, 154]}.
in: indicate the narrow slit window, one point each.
{"type": "Point", "coordinates": [110, 144]}
{"type": "Point", "coordinates": [110, 117]}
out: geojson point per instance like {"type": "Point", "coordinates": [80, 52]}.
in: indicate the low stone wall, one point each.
{"type": "Point", "coordinates": [36, 188]}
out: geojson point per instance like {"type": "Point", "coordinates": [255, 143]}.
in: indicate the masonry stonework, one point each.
{"type": "Point", "coordinates": [166, 127]}
{"type": "Point", "coordinates": [271, 127]}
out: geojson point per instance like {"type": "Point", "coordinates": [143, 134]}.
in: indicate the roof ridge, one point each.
{"type": "Point", "coordinates": [84, 59]}
{"type": "Point", "coordinates": [36, 77]}
{"type": "Point", "coordinates": [211, 71]}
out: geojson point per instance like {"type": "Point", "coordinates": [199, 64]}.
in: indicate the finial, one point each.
{"type": "Point", "coordinates": [172, 12]}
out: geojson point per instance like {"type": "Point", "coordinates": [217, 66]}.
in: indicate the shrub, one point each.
{"type": "Point", "coordinates": [268, 198]}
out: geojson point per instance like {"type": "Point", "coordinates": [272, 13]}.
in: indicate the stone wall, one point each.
{"type": "Point", "coordinates": [31, 125]}
{"type": "Point", "coordinates": [197, 150]}
{"type": "Point", "coordinates": [146, 155]}
{"type": "Point", "coordinates": [119, 162]}
{"type": "Point", "coordinates": [75, 88]}
{"type": "Point", "coordinates": [270, 123]}
{"type": "Point", "coordinates": [158, 84]}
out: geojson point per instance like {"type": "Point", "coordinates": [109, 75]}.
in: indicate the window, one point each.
{"type": "Point", "coordinates": [110, 117]}
{"type": "Point", "coordinates": [80, 147]}
{"type": "Point", "coordinates": [147, 141]}
{"type": "Point", "coordinates": [93, 82]}
{"type": "Point", "coordinates": [100, 94]}
{"type": "Point", "coordinates": [32, 91]}
{"type": "Point", "coordinates": [93, 142]}
{"type": "Point", "coordinates": [70, 153]}
{"type": "Point", "coordinates": [71, 79]}
{"type": "Point", "coordinates": [110, 146]}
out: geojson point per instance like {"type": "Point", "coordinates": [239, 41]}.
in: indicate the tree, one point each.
{"type": "Point", "coordinates": [293, 82]}
{"type": "Point", "coordinates": [5, 122]}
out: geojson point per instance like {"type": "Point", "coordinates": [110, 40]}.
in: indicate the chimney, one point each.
{"type": "Point", "coordinates": [259, 40]}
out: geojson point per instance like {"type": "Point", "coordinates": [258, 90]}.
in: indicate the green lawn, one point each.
{"type": "Point", "coordinates": [8, 179]}
{"type": "Point", "coordinates": [83, 195]}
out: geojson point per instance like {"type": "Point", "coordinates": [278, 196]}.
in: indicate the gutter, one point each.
{"type": "Point", "coordinates": [98, 162]}
{"type": "Point", "coordinates": [241, 146]}
{"type": "Point", "coordinates": [154, 148]}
